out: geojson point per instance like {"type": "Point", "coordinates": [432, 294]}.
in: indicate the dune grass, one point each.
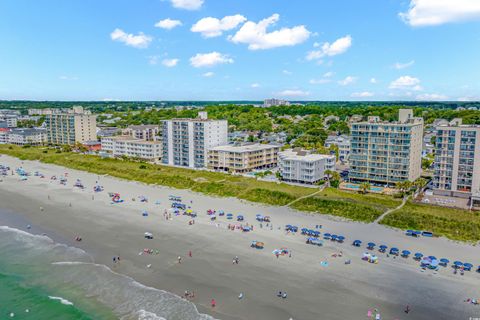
{"type": "Point", "coordinates": [456, 224]}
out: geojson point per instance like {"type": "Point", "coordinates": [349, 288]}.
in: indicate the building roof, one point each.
{"type": "Point", "coordinates": [27, 131]}
{"type": "Point", "coordinates": [143, 127]}
{"type": "Point", "coordinates": [302, 155]}
{"type": "Point", "coordinates": [131, 139]}
{"type": "Point", "coordinates": [244, 148]}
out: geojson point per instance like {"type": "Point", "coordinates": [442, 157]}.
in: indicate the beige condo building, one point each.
{"type": "Point", "coordinates": [242, 159]}
{"type": "Point", "coordinates": [74, 125]}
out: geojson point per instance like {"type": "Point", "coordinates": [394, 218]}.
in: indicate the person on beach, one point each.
{"type": "Point", "coordinates": [179, 260]}
{"type": "Point", "coordinates": [114, 259]}
{"type": "Point", "coordinates": [190, 253]}
{"type": "Point", "coordinates": [407, 309]}
{"type": "Point", "coordinates": [213, 303]}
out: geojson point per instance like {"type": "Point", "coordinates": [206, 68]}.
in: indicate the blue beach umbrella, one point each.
{"type": "Point", "coordinates": [457, 264]}
{"type": "Point", "coordinates": [370, 245]}
{"type": "Point", "coordinates": [444, 261]}
{"type": "Point", "coordinates": [405, 253]}
{"type": "Point", "coordinates": [467, 266]}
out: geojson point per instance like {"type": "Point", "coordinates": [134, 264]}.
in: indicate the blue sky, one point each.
{"type": "Point", "coordinates": [240, 49]}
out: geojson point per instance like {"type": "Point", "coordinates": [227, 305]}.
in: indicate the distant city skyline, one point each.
{"type": "Point", "coordinates": [240, 50]}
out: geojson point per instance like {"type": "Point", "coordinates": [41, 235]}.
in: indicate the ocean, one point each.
{"type": "Point", "coordinates": [44, 280]}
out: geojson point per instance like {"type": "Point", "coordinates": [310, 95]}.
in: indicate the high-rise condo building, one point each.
{"type": "Point", "coordinates": [74, 125]}
{"type": "Point", "coordinates": [387, 152]}
{"type": "Point", "coordinates": [186, 141]}
{"type": "Point", "coordinates": [457, 160]}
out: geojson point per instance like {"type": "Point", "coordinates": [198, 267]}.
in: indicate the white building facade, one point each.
{"type": "Point", "coordinates": [186, 142]}
{"type": "Point", "coordinates": [27, 136]}
{"type": "Point", "coordinates": [343, 144]}
{"type": "Point", "coordinates": [303, 167]}
{"type": "Point", "coordinates": [131, 147]}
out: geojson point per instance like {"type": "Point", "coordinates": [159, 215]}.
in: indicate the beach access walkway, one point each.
{"type": "Point", "coordinates": [307, 196]}
{"type": "Point", "coordinates": [405, 199]}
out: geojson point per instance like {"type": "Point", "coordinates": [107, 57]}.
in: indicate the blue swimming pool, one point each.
{"type": "Point", "coordinates": [357, 187]}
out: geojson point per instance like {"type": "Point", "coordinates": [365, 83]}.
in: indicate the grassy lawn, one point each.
{"type": "Point", "coordinates": [348, 204]}
{"type": "Point", "coordinates": [456, 224]}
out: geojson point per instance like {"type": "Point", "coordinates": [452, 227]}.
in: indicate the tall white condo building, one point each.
{"type": "Point", "coordinates": [186, 141]}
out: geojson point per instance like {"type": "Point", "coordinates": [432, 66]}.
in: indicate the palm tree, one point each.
{"type": "Point", "coordinates": [364, 187]}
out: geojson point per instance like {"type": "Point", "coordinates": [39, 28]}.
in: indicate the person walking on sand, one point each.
{"type": "Point", "coordinates": [190, 253]}
{"type": "Point", "coordinates": [179, 260]}
{"type": "Point", "coordinates": [213, 303]}
{"type": "Point", "coordinates": [407, 309]}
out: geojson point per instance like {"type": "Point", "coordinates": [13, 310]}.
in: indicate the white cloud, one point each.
{"type": "Point", "coordinates": [294, 93]}
{"type": "Point", "coordinates": [168, 24]}
{"type": "Point", "coordinates": [209, 59]}
{"type": "Point", "coordinates": [373, 80]}
{"type": "Point", "coordinates": [187, 4]}
{"type": "Point", "coordinates": [348, 80]}
{"type": "Point", "coordinates": [257, 37]}
{"type": "Point", "coordinates": [328, 74]}
{"type": "Point", "coordinates": [406, 82]}
{"type": "Point", "coordinates": [400, 66]}
{"type": "Point", "coordinates": [140, 41]}
{"type": "Point", "coordinates": [319, 81]}
{"type": "Point", "coordinates": [316, 44]}
{"type": "Point", "coordinates": [212, 27]}
{"type": "Point", "coordinates": [340, 46]}
{"type": "Point", "coordinates": [68, 78]}
{"type": "Point", "coordinates": [437, 12]}
{"type": "Point", "coordinates": [255, 85]}
{"type": "Point", "coordinates": [431, 97]}
{"type": "Point", "coordinates": [286, 72]}
{"type": "Point", "coordinates": [364, 94]}
{"type": "Point", "coordinates": [208, 74]}
{"type": "Point", "coordinates": [170, 63]}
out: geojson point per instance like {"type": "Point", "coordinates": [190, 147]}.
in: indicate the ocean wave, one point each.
{"type": "Point", "coordinates": [126, 296]}
{"type": "Point", "coordinates": [62, 300]}
{"type": "Point", "coordinates": [145, 315]}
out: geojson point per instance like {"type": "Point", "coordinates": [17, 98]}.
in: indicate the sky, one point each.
{"type": "Point", "coordinates": [240, 50]}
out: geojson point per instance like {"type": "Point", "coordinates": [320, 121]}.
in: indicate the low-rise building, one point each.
{"type": "Point", "coordinates": [343, 144]}
{"type": "Point", "coordinates": [275, 102]}
{"type": "Point", "coordinates": [244, 158]}
{"type": "Point", "coordinates": [132, 147]}
{"type": "Point", "coordinates": [9, 121]}
{"type": "Point", "coordinates": [144, 132]}
{"type": "Point", "coordinates": [296, 165]}
{"type": "Point", "coordinates": [4, 135]}
{"type": "Point", "coordinates": [27, 136]}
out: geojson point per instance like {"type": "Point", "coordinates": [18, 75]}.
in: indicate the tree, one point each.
{"type": "Point", "coordinates": [403, 186]}
{"type": "Point", "coordinates": [420, 183]}
{"type": "Point", "coordinates": [365, 187]}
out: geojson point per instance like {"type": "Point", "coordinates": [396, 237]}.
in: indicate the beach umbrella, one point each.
{"type": "Point", "coordinates": [444, 261]}
{"type": "Point", "coordinates": [394, 251]}
{"type": "Point", "coordinates": [434, 263]}
{"type": "Point", "coordinates": [405, 253]}
{"type": "Point", "coordinates": [418, 255]}
{"type": "Point", "coordinates": [467, 266]}
{"type": "Point", "coordinates": [383, 248]}
{"type": "Point", "coordinates": [370, 245]}
{"type": "Point", "coordinates": [357, 242]}
{"type": "Point", "coordinates": [457, 264]}
{"type": "Point", "coordinates": [433, 257]}
{"type": "Point", "coordinates": [334, 236]}
{"type": "Point", "coordinates": [340, 238]}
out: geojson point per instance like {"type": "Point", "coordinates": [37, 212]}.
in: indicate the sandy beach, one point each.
{"type": "Point", "coordinates": [334, 290]}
